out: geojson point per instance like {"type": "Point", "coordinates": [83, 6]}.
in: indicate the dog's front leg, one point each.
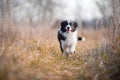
{"type": "Point", "coordinates": [72, 49]}
{"type": "Point", "coordinates": [65, 52]}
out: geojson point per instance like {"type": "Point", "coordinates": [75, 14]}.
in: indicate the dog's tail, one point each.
{"type": "Point", "coordinates": [81, 39]}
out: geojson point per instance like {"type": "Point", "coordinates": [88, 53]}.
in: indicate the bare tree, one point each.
{"type": "Point", "coordinates": [116, 19]}
{"type": "Point", "coordinates": [5, 8]}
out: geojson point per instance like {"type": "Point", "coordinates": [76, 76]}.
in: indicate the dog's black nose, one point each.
{"type": "Point", "coordinates": [68, 28]}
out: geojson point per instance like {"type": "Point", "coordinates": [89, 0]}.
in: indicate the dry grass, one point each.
{"type": "Point", "coordinates": [28, 53]}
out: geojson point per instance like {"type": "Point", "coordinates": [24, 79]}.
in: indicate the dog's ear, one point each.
{"type": "Point", "coordinates": [75, 24]}
{"type": "Point", "coordinates": [63, 26]}
{"type": "Point", "coordinates": [63, 23]}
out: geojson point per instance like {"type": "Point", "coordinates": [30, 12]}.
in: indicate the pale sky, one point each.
{"type": "Point", "coordinates": [89, 10]}
{"type": "Point", "coordinates": [86, 9]}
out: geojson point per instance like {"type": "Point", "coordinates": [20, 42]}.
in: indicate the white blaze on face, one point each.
{"type": "Point", "coordinates": [68, 27]}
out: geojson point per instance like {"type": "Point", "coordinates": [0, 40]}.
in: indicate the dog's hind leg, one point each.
{"type": "Point", "coordinates": [61, 47]}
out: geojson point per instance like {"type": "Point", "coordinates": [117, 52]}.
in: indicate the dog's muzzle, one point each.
{"type": "Point", "coordinates": [68, 29]}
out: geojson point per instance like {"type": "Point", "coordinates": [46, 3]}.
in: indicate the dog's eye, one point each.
{"type": "Point", "coordinates": [64, 23]}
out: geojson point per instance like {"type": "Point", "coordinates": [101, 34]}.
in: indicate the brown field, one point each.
{"type": "Point", "coordinates": [33, 53]}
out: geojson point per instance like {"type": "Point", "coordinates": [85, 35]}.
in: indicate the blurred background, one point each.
{"type": "Point", "coordinates": [29, 49]}
{"type": "Point", "coordinates": [44, 11]}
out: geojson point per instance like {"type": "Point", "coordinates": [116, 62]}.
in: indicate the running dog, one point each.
{"type": "Point", "coordinates": [67, 37]}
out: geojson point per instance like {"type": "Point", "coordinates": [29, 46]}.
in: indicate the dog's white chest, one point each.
{"type": "Point", "coordinates": [71, 39]}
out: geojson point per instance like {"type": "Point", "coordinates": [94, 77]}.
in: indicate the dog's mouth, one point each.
{"type": "Point", "coordinates": [68, 30]}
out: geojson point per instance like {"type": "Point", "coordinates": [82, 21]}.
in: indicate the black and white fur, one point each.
{"type": "Point", "coordinates": [67, 36]}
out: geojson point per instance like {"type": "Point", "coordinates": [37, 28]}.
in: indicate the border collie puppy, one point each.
{"type": "Point", "coordinates": [67, 36]}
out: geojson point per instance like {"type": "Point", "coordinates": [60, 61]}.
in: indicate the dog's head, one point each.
{"type": "Point", "coordinates": [68, 26]}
